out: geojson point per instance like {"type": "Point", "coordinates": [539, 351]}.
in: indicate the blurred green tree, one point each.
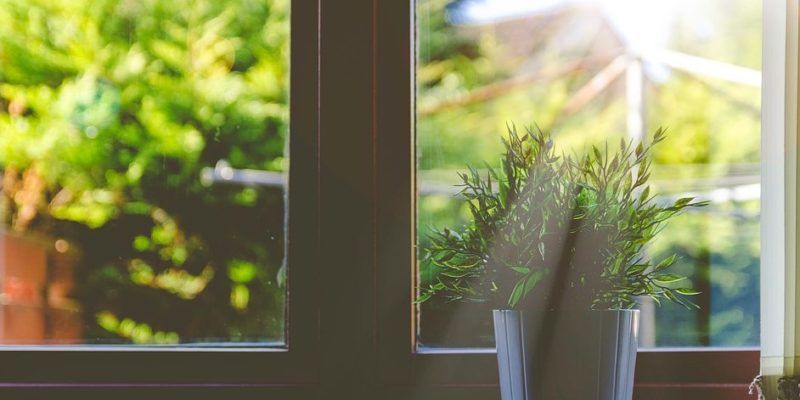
{"type": "Point", "coordinates": [114, 108]}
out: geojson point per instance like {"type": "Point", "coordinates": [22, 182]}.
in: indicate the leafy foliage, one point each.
{"type": "Point", "coordinates": [109, 111]}
{"type": "Point", "coordinates": [552, 232]}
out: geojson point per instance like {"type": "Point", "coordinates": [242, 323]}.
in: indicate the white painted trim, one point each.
{"type": "Point", "coordinates": [780, 336]}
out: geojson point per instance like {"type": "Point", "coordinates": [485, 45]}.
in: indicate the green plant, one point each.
{"type": "Point", "coordinates": [109, 112]}
{"type": "Point", "coordinates": [551, 231]}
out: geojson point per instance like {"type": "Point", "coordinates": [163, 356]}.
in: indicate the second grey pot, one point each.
{"type": "Point", "coordinates": [587, 355]}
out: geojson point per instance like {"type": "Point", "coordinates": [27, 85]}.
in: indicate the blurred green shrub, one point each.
{"type": "Point", "coordinates": [109, 110]}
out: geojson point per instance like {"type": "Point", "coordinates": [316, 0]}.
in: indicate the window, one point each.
{"type": "Point", "coordinates": [249, 103]}
{"type": "Point", "coordinates": [351, 255]}
{"type": "Point", "coordinates": [443, 365]}
{"type": "Point", "coordinates": [592, 73]}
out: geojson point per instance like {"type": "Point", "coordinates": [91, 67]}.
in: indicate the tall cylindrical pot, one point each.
{"type": "Point", "coordinates": [567, 355]}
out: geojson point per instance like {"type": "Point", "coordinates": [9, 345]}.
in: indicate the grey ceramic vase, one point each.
{"type": "Point", "coordinates": [587, 355]}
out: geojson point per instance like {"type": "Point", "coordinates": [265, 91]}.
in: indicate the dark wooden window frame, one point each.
{"type": "Point", "coordinates": [350, 251]}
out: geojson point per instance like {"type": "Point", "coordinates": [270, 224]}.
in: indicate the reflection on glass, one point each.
{"type": "Point", "coordinates": [591, 72]}
{"type": "Point", "coordinates": [143, 169]}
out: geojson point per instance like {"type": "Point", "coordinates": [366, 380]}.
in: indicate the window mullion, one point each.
{"type": "Point", "coordinates": [346, 276]}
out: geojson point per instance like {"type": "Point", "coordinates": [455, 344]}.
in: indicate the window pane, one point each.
{"type": "Point", "coordinates": [593, 72]}
{"type": "Point", "coordinates": [143, 171]}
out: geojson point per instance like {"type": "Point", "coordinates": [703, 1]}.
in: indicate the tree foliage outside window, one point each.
{"type": "Point", "coordinates": [109, 111]}
{"type": "Point", "coordinates": [468, 90]}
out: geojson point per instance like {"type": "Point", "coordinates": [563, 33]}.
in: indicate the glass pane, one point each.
{"type": "Point", "coordinates": [593, 72]}
{"type": "Point", "coordinates": [143, 171]}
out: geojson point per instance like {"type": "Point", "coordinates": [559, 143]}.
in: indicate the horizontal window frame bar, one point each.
{"type": "Point", "coordinates": [689, 366]}
{"type": "Point", "coordinates": [135, 392]}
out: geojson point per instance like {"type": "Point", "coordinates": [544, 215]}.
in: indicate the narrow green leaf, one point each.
{"type": "Point", "coordinates": [522, 270]}
{"type": "Point", "coordinates": [682, 202]}
{"type": "Point", "coordinates": [446, 257]}
{"type": "Point", "coordinates": [636, 269]}
{"type": "Point", "coordinates": [668, 278]}
{"type": "Point", "coordinates": [596, 152]}
{"type": "Point", "coordinates": [452, 274]}
{"type": "Point", "coordinates": [423, 297]}
{"type": "Point", "coordinates": [639, 149]}
{"type": "Point", "coordinates": [666, 263]}
{"type": "Point", "coordinates": [532, 280]}
{"type": "Point", "coordinates": [645, 193]}
{"type": "Point", "coordinates": [516, 293]}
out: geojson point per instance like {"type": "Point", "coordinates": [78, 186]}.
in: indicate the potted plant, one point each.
{"type": "Point", "coordinates": [555, 246]}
